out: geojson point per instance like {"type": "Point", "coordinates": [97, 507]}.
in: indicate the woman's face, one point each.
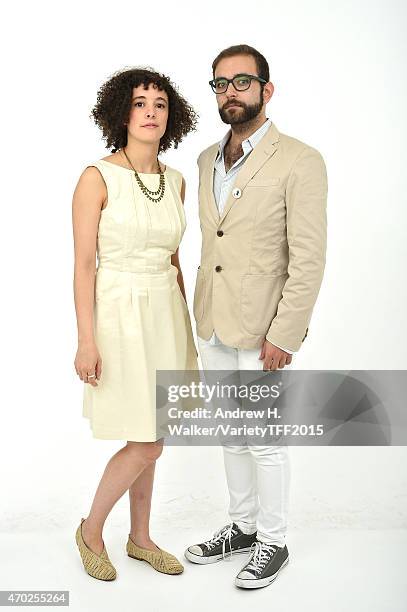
{"type": "Point", "coordinates": [148, 114]}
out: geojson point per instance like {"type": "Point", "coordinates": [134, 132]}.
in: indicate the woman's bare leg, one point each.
{"type": "Point", "coordinates": [121, 471]}
{"type": "Point", "coordinates": [140, 494]}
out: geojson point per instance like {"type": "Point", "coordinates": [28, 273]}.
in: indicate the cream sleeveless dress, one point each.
{"type": "Point", "coordinates": [141, 320]}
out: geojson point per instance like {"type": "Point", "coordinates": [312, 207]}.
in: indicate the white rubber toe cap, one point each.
{"type": "Point", "coordinates": [245, 575]}
{"type": "Point", "coordinates": [195, 550]}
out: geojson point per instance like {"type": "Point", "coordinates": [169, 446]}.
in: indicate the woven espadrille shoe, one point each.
{"type": "Point", "coordinates": [160, 560]}
{"type": "Point", "coordinates": [98, 566]}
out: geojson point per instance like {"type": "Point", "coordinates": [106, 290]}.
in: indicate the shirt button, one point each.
{"type": "Point", "coordinates": [219, 233]}
{"type": "Point", "coordinates": [237, 193]}
{"type": "Point", "coordinates": [218, 268]}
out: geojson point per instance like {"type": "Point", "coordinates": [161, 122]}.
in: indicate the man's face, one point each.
{"type": "Point", "coordinates": [238, 106]}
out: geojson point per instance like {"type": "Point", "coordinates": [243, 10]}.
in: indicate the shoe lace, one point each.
{"type": "Point", "coordinates": [222, 535]}
{"type": "Point", "coordinates": [260, 556]}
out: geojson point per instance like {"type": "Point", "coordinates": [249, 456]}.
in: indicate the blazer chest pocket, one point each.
{"type": "Point", "coordinates": [264, 182]}
{"type": "Point", "coordinates": [260, 295]}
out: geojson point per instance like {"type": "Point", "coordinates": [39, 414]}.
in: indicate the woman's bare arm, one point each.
{"type": "Point", "coordinates": [88, 199]}
{"type": "Point", "coordinates": [175, 256]}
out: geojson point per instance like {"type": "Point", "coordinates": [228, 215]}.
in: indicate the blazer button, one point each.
{"type": "Point", "coordinates": [237, 193]}
{"type": "Point", "coordinates": [219, 233]}
{"type": "Point", "coordinates": [218, 268]}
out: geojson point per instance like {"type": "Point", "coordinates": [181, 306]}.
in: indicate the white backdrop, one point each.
{"type": "Point", "coordinates": [337, 71]}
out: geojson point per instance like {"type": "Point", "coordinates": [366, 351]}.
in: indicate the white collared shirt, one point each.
{"type": "Point", "coordinates": [223, 181]}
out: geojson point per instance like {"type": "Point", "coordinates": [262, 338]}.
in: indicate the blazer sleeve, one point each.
{"type": "Point", "coordinates": [306, 219]}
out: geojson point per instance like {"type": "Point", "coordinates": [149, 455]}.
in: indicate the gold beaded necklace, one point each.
{"type": "Point", "coordinates": [148, 192]}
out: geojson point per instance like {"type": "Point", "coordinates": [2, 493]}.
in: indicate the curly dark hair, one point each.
{"type": "Point", "coordinates": [113, 106]}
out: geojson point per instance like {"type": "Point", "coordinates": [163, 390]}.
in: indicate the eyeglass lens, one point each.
{"type": "Point", "coordinates": [240, 82]}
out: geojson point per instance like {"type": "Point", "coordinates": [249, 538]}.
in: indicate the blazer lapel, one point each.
{"type": "Point", "coordinates": [264, 149]}
{"type": "Point", "coordinates": [207, 182]}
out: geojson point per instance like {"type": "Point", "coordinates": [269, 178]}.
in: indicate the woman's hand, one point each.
{"type": "Point", "coordinates": [87, 362]}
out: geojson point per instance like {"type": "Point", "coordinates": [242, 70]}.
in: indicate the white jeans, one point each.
{"type": "Point", "coordinates": [258, 477]}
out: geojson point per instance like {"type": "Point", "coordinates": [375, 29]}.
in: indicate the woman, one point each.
{"type": "Point", "coordinates": [132, 315]}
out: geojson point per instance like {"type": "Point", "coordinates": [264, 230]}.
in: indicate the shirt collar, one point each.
{"type": "Point", "coordinates": [249, 143]}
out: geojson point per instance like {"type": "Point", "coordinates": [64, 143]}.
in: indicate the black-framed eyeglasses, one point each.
{"type": "Point", "coordinates": [240, 82]}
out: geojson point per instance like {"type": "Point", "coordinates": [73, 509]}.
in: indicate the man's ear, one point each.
{"type": "Point", "coordinates": [268, 91]}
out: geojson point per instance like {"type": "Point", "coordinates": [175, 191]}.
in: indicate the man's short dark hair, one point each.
{"type": "Point", "coordinates": [261, 62]}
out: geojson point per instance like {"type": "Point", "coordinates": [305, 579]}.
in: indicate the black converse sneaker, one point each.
{"type": "Point", "coordinates": [224, 542]}
{"type": "Point", "coordinates": [263, 565]}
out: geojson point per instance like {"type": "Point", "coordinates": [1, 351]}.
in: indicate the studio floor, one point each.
{"type": "Point", "coordinates": [335, 570]}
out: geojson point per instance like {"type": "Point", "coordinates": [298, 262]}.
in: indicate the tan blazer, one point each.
{"type": "Point", "coordinates": [262, 261]}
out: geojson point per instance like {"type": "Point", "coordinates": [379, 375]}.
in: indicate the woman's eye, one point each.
{"type": "Point", "coordinates": [137, 103]}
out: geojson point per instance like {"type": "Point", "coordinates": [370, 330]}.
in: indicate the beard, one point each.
{"type": "Point", "coordinates": [247, 113]}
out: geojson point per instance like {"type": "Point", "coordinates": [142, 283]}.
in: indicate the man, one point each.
{"type": "Point", "coordinates": [262, 201]}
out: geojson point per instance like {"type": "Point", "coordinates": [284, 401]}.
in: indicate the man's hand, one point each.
{"type": "Point", "coordinates": [274, 357]}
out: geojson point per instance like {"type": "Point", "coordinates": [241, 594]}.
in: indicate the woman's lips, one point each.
{"type": "Point", "coordinates": [151, 126]}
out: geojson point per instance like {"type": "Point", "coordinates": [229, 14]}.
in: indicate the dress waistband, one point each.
{"type": "Point", "coordinates": [139, 269]}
